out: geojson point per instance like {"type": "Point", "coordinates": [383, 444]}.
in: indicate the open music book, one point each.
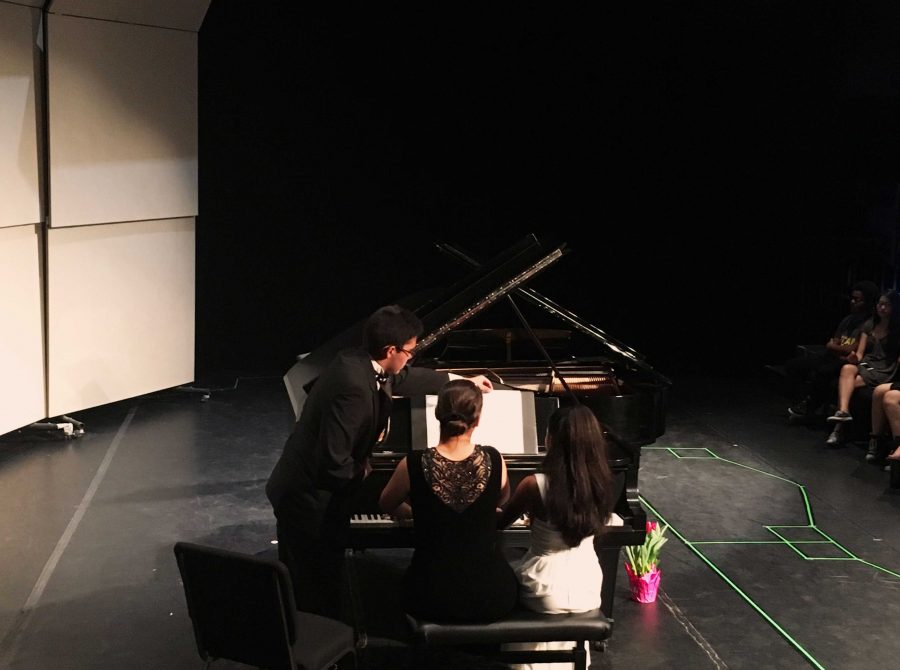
{"type": "Point", "coordinates": [507, 422]}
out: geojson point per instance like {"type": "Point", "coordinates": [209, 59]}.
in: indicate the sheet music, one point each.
{"type": "Point", "coordinates": [507, 422]}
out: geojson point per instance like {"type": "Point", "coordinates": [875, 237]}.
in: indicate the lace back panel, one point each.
{"type": "Point", "coordinates": [457, 484]}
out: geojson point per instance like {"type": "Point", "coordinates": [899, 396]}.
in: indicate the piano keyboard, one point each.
{"type": "Point", "coordinates": [381, 531]}
{"type": "Point", "coordinates": [387, 521]}
{"type": "Point", "coordinates": [378, 521]}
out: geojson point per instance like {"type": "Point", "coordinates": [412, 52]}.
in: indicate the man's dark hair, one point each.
{"type": "Point", "coordinates": [870, 293]}
{"type": "Point", "coordinates": [390, 325]}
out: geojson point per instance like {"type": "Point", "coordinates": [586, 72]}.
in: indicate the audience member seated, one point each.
{"type": "Point", "coordinates": [457, 573]}
{"type": "Point", "coordinates": [811, 377]}
{"type": "Point", "coordinates": [568, 503]}
{"type": "Point", "coordinates": [890, 411]}
{"type": "Point", "coordinates": [873, 363]}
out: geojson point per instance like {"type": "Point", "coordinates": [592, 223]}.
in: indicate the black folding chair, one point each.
{"type": "Point", "coordinates": [242, 608]}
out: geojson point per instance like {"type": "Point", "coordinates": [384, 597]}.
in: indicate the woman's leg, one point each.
{"type": "Point", "coordinates": [878, 419]}
{"type": "Point", "coordinates": [891, 405]}
{"type": "Point", "coordinates": [878, 422]}
{"type": "Point", "coordinates": [836, 438]}
{"type": "Point", "coordinates": [847, 383]}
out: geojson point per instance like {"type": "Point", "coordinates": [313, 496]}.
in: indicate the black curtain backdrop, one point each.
{"type": "Point", "coordinates": [720, 172]}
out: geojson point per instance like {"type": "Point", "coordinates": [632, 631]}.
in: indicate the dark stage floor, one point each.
{"type": "Point", "coordinates": [783, 554]}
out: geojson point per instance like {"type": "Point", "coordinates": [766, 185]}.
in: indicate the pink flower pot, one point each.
{"type": "Point", "coordinates": [643, 587]}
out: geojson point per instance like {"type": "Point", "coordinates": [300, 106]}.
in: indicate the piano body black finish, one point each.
{"type": "Point", "coordinates": [558, 365]}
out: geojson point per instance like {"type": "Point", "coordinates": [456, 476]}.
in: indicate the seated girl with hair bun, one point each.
{"type": "Point", "coordinates": [457, 572]}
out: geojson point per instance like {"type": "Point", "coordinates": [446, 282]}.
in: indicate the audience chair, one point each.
{"type": "Point", "coordinates": [242, 609]}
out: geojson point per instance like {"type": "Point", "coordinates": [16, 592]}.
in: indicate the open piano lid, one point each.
{"type": "Point", "coordinates": [440, 313]}
{"type": "Point", "coordinates": [619, 350]}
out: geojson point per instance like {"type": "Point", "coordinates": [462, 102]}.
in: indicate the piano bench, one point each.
{"type": "Point", "coordinates": [521, 625]}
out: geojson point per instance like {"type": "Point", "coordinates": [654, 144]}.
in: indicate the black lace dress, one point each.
{"type": "Point", "coordinates": [457, 573]}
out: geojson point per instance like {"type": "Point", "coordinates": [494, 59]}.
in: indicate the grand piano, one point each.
{"type": "Point", "coordinates": [478, 325]}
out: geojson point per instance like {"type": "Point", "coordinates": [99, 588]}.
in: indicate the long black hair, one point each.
{"type": "Point", "coordinates": [891, 342]}
{"type": "Point", "coordinates": [578, 499]}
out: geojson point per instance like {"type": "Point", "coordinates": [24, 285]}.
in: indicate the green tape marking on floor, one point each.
{"type": "Point", "coordinates": [792, 543]}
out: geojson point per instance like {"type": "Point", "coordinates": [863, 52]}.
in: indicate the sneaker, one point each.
{"type": "Point", "coordinates": [801, 409]}
{"type": "Point", "coordinates": [872, 451]}
{"type": "Point", "coordinates": [840, 416]}
{"type": "Point", "coordinates": [834, 440]}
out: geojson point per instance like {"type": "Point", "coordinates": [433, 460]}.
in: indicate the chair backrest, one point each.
{"type": "Point", "coordinates": [242, 606]}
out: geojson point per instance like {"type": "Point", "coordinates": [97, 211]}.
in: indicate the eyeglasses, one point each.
{"type": "Point", "coordinates": [411, 354]}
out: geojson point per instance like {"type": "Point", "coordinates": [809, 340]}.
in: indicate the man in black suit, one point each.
{"type": "Point", "coordinates": [327, 456]}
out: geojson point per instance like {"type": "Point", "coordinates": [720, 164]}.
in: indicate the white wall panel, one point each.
{"type": "Point", "coordinates": [181, 14]}
{"type": "Point", "coordinates": [123, 122]}
{"type": "Point", "coordinates": [21, 331]}
{"type": "Point", "coordinates": [20, 194]}
{"type": "Point", "coordinates": [120, 311]}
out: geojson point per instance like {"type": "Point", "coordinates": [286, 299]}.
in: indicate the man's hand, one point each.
{"type": "Point", "coordinates": [483, 383]}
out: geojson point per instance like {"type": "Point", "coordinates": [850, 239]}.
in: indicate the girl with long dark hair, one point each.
{"type": "Point", "coordinates": [568, 503]}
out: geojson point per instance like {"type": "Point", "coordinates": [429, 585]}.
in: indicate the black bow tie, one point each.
{"type": "Point", "coordinates": [381, 378]}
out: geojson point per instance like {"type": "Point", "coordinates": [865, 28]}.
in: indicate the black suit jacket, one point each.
{"type": "Point", "coordinates": [335, 434]}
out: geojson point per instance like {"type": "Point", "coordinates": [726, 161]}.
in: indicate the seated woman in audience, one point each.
{"type": "Point", "coordinates": [569, 502]}
{"type": "Point", "coordinates": [457, 573]}
{"type": "Point", "coordinates": [873, 363]}
{"type": "Point", "coordinates": [811, 377]}
{"type": "Point", "coordinates": [885, 410]}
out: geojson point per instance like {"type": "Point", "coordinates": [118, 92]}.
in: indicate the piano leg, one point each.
{"type": "Point", "coordinates": [609, 563]}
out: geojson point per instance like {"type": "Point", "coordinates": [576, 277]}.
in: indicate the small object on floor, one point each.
{"type": "Point", "coordinates": [801, 409]}
{"type": "Point", "coordinates": [840, 416]}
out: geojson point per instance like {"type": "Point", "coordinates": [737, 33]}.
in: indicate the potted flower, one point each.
{"type": "Point", "coordinates": [642, 565]}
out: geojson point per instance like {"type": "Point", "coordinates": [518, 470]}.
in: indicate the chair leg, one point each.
{"type": "Point", "coordinates": [579, 662]}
